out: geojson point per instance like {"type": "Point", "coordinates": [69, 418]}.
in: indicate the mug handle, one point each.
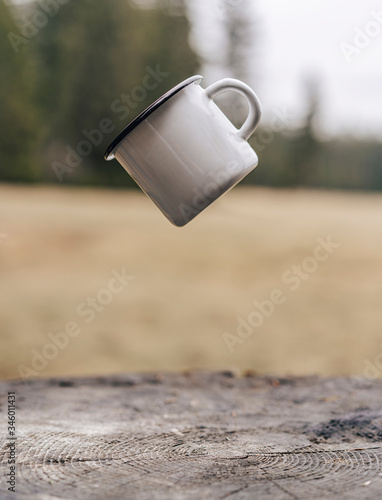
{"type": "Point", "coordinates": [254, 116]}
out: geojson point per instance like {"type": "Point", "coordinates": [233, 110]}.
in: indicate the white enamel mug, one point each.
{"type": "Point", "coordinates": [184, 152]}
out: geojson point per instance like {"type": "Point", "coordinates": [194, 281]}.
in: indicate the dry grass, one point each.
{"type": "Point", "coordinates": [190, 284]}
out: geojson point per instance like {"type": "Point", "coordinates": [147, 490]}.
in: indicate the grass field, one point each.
{"type": "Point", "coordinates": [60, 246]}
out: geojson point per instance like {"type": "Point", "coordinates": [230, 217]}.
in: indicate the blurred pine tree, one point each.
{"type": "Point", "coordinates": [93, 57]}
{"type": "Point", "coordinates": [19, 120]}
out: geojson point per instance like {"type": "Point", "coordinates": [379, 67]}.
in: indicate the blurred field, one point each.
{"type": "Point", "coordinates": [190, 284]}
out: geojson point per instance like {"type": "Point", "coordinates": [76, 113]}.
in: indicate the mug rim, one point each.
{"type": "Point", "coordinates": [110, 152]}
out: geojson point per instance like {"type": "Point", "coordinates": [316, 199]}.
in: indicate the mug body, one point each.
{"type": "Point", "coordinates": [185, 154]}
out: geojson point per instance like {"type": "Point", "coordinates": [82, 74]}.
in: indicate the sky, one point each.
{"type": "Point", "coordinates": [338, 43]}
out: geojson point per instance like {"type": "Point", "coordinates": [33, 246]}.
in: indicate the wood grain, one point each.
{"type": "Point", "coordinates": [195, 436]}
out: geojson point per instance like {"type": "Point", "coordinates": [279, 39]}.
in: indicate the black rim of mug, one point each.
{"type": "Point", "coordinates": [109, 155]}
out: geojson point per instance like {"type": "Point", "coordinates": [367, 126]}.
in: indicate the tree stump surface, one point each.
{"type": "Point", "coordinates": [194, 436]}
